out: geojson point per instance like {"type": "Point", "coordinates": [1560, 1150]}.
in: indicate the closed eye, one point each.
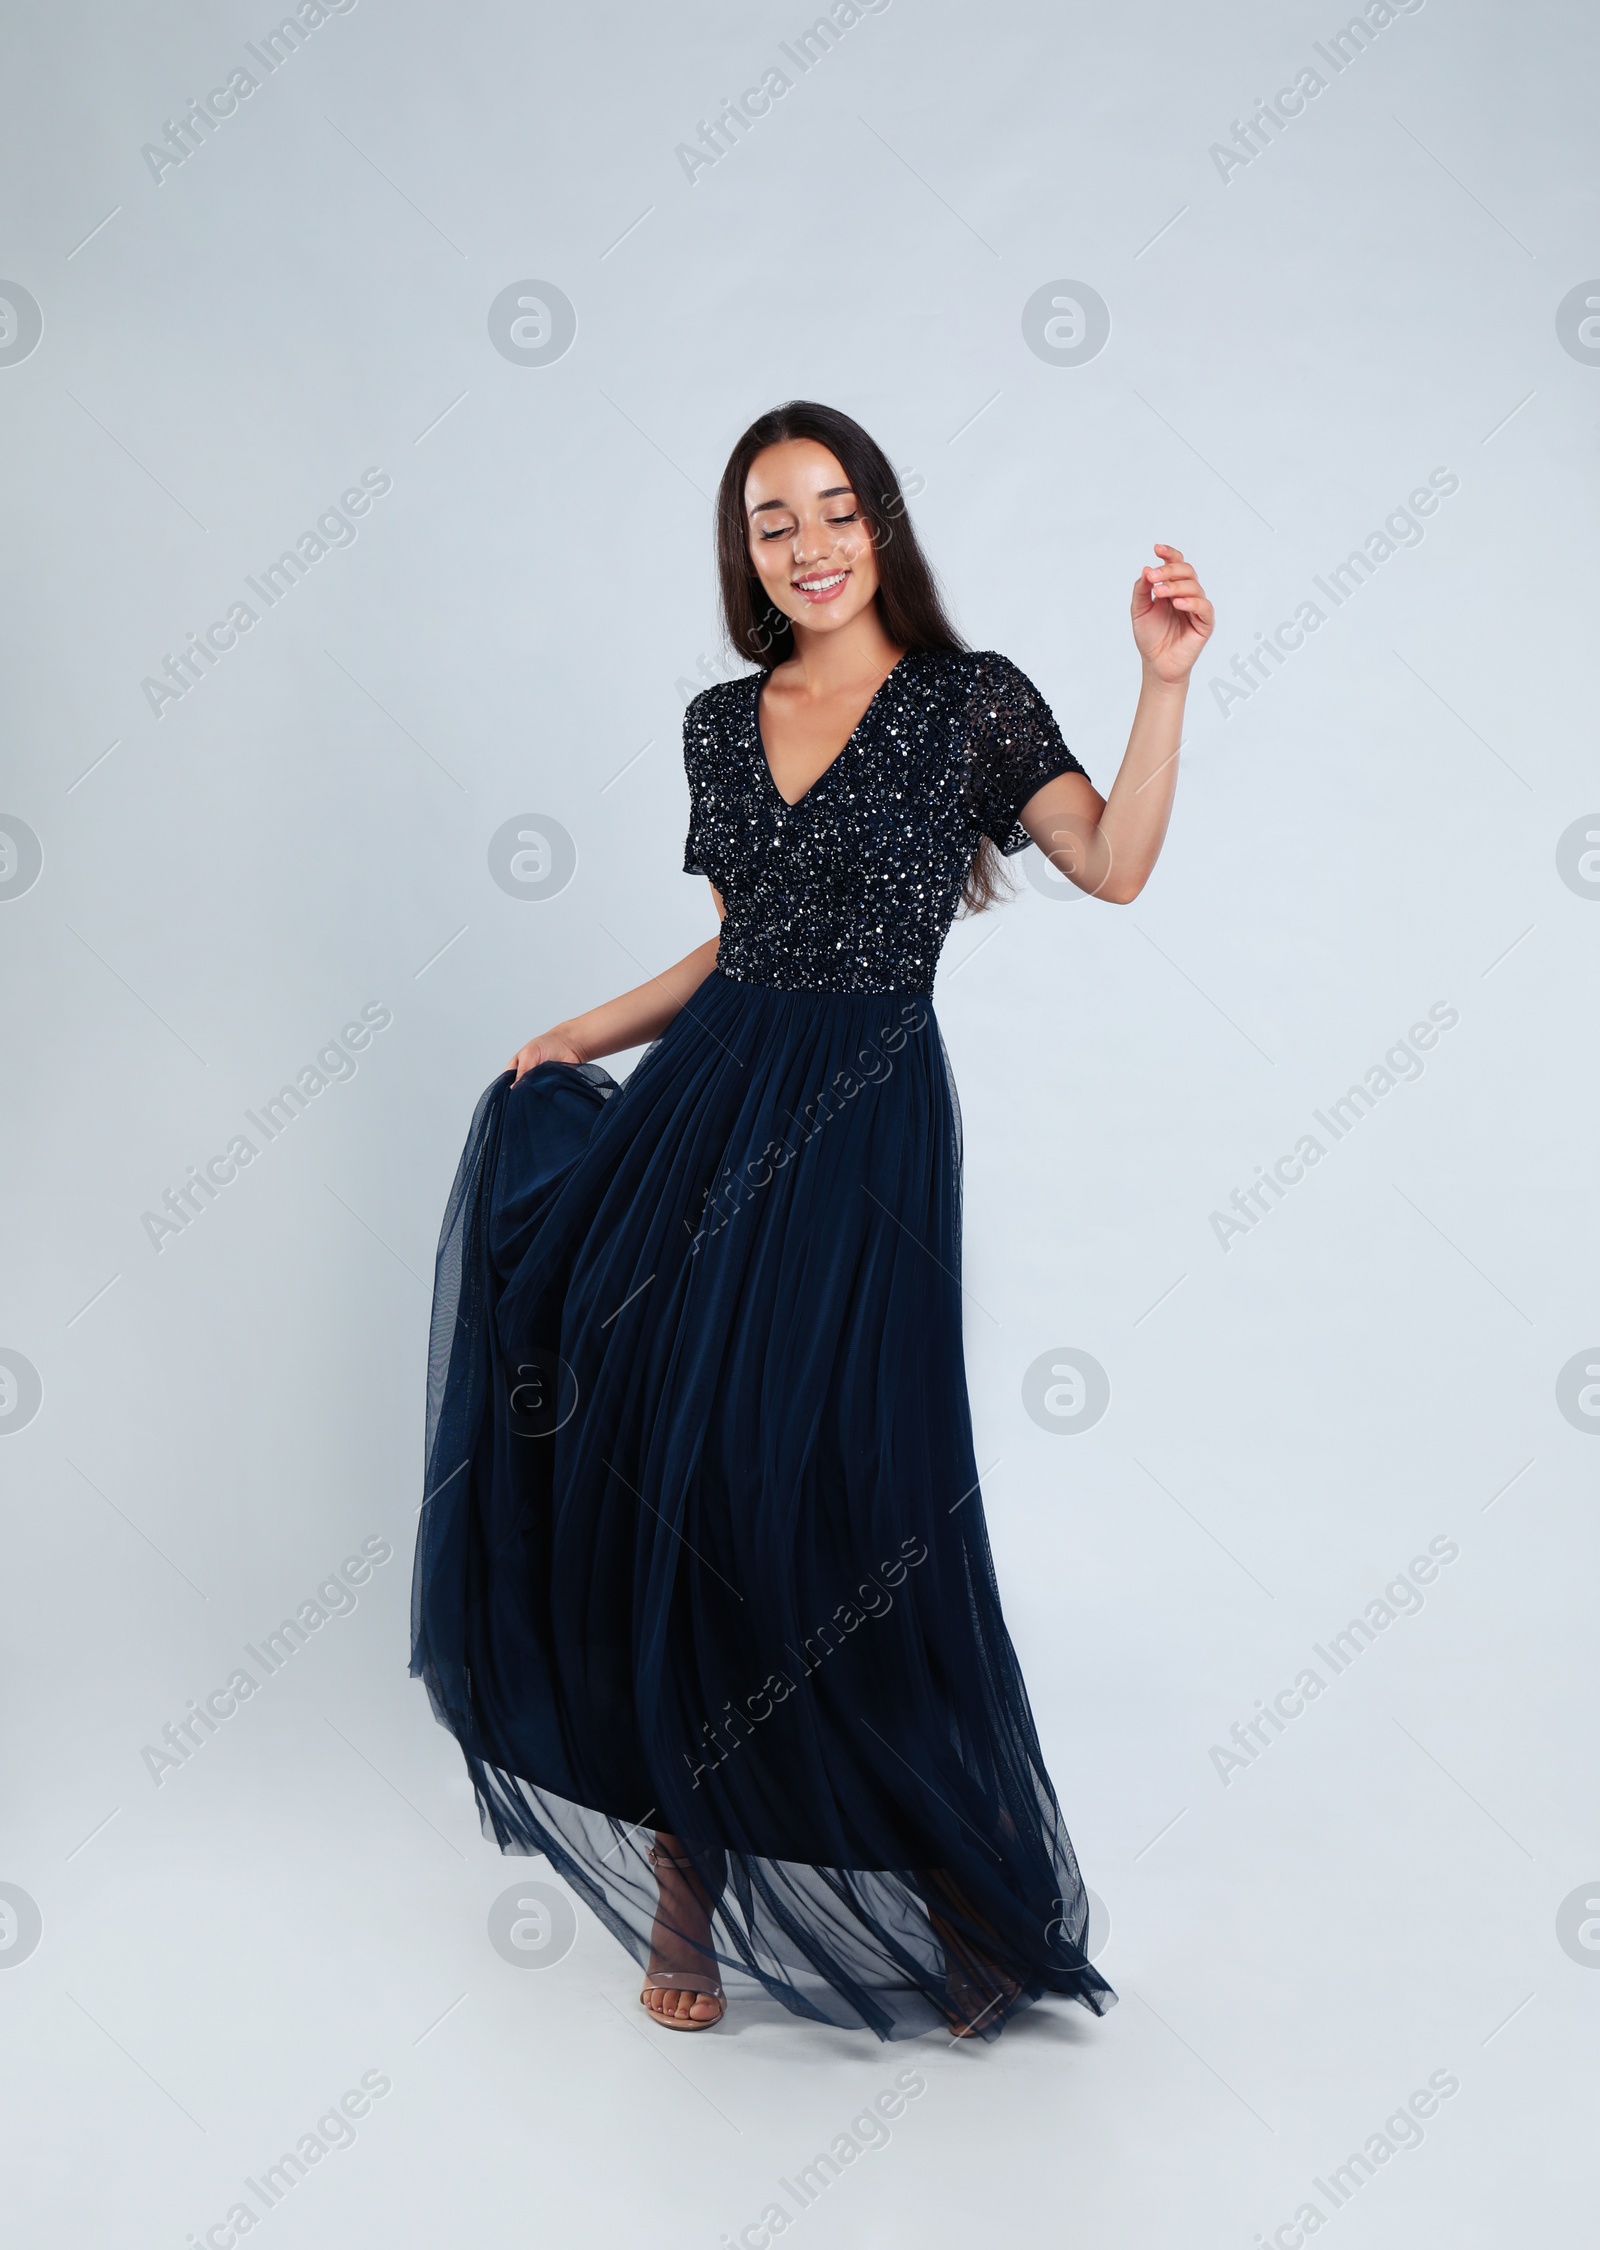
{"type": "Point", "coordinates": [787, 531]}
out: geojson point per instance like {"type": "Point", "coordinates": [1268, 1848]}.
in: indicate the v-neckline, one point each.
{"type": "Point", "coordinates": [793, 804]}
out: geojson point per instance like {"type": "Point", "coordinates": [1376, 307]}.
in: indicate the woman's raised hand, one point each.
{"type": "Point", "coordinates": [1172, 619]}
{"type": "Point", "coordinates": [550, 1046]}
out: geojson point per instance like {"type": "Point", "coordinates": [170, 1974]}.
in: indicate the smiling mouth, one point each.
{"type": "Point", "coordinates": [820, 589]}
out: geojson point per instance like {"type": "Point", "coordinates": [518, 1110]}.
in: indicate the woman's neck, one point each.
{"type": "Point", "coordinates": [830, 662]}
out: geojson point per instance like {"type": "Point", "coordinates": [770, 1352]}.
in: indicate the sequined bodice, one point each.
{"type": "Point", "coordinates": [854, 887]}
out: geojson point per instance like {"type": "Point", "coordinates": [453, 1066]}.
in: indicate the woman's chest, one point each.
{"type": "Point", "coordinates": [895, 795]}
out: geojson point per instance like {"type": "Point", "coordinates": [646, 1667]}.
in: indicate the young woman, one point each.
{"type": "Point", "coordinates": [703, 1587]}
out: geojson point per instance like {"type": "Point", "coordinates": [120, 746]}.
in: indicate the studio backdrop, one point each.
{"type": "Point", "coordinates": [366, 372]}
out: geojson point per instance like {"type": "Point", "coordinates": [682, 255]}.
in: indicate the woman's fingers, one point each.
{"type": "Point", "coordinates": [550, 1046]}
{"type": "Point", "coordinates": [1171, 565]}
{"type": "Point", "coordinates": [1172, 582]}
{"type": "Point", "coordinates": [1180, 587]}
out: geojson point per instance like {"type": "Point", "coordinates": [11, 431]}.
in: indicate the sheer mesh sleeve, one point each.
{"type": "Point", "coordinates": [1013, 748]}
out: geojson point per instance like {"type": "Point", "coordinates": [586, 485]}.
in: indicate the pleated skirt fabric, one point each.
{"type": "Point", "coordinates": [702, 1548]}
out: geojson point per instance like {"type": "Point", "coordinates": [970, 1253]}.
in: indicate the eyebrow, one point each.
{"type": "Point", "coordinates": [830, 492]}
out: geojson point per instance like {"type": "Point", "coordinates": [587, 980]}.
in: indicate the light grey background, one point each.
{"type": "Point", "coordinates": [1293, 349]}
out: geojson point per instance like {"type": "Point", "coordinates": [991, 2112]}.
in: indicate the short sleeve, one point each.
{"type": "Point", "coordinates": [696, 726]}
{"type": "Point", "coordinates": [1013, 748]}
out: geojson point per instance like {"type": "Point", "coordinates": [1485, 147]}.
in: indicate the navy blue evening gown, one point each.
{"type": "Point", "coordinates": [703, 1548]}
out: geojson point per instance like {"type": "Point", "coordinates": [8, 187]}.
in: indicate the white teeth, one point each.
{"type": "Point", "coordinates": [820, 585]}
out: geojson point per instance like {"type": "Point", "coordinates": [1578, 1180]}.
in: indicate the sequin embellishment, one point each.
{"type": "Point", "coordinates": [854, 887]}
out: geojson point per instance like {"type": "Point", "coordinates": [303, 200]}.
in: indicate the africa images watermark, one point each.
{"type": "Point", "coordinates": [732, 1191]}
{"type": "Point", "coordinates": [335, 1597]}
{"type": "Point", "coordinates": [1250, 1205]}
{"type": "Point", "coordinates": [869, 2129]}
{"type": "Point", "coordinates": [334, 2129]}
{"type": "Point", "coordinates": [1400, 529]}
{"type": "Point", "coordinates": [1252, 137]}
{"type": "Point", "coordinates": [333, 528]}
{"type": "Point", "coordinates": [181, 1206]}
{"type": "Point", "coordinates": [1402, 1597]}
{"type": "Point", "coordinates": [875, 1600]}
{"type": "Point", "coordinates": [1402, 2129]}
{"type": "Point", "coordinates": [187, 135]}
{"type": "Point", "coordinates": [719, 136]}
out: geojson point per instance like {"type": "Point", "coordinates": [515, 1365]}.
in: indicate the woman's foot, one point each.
{"type": "Point", "coordinates": [681, 2010]}
{"type": "Point", "coordinates": [979, 1994]}
{"type": "Point", "coordinates": [682, 1988]}
{"type": "Point", "coordinates": [976, 2009]}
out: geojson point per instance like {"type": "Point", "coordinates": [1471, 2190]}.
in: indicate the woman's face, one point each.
{"type": "Point", "coordinates": [810, 541]}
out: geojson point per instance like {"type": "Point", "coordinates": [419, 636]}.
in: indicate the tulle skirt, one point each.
{"type": "Point", "coordinates": [702, 1549]}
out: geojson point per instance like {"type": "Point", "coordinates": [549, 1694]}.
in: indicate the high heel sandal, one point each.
{"type": "Point", "coordinates": [966, 2018]}
{"type": "Point", "coordinates": [704, 1983]}
{"type": "Point", "coordinates": [979, 1994]}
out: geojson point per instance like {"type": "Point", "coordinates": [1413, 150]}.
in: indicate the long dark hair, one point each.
{"type": "Point", "coordinates": [908, 599]}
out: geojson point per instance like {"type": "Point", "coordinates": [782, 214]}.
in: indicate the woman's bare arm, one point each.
{"type": "Point", "coordinates": [1108, 845]}
{"type": "Point", "coordinates": [629, 1020]}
